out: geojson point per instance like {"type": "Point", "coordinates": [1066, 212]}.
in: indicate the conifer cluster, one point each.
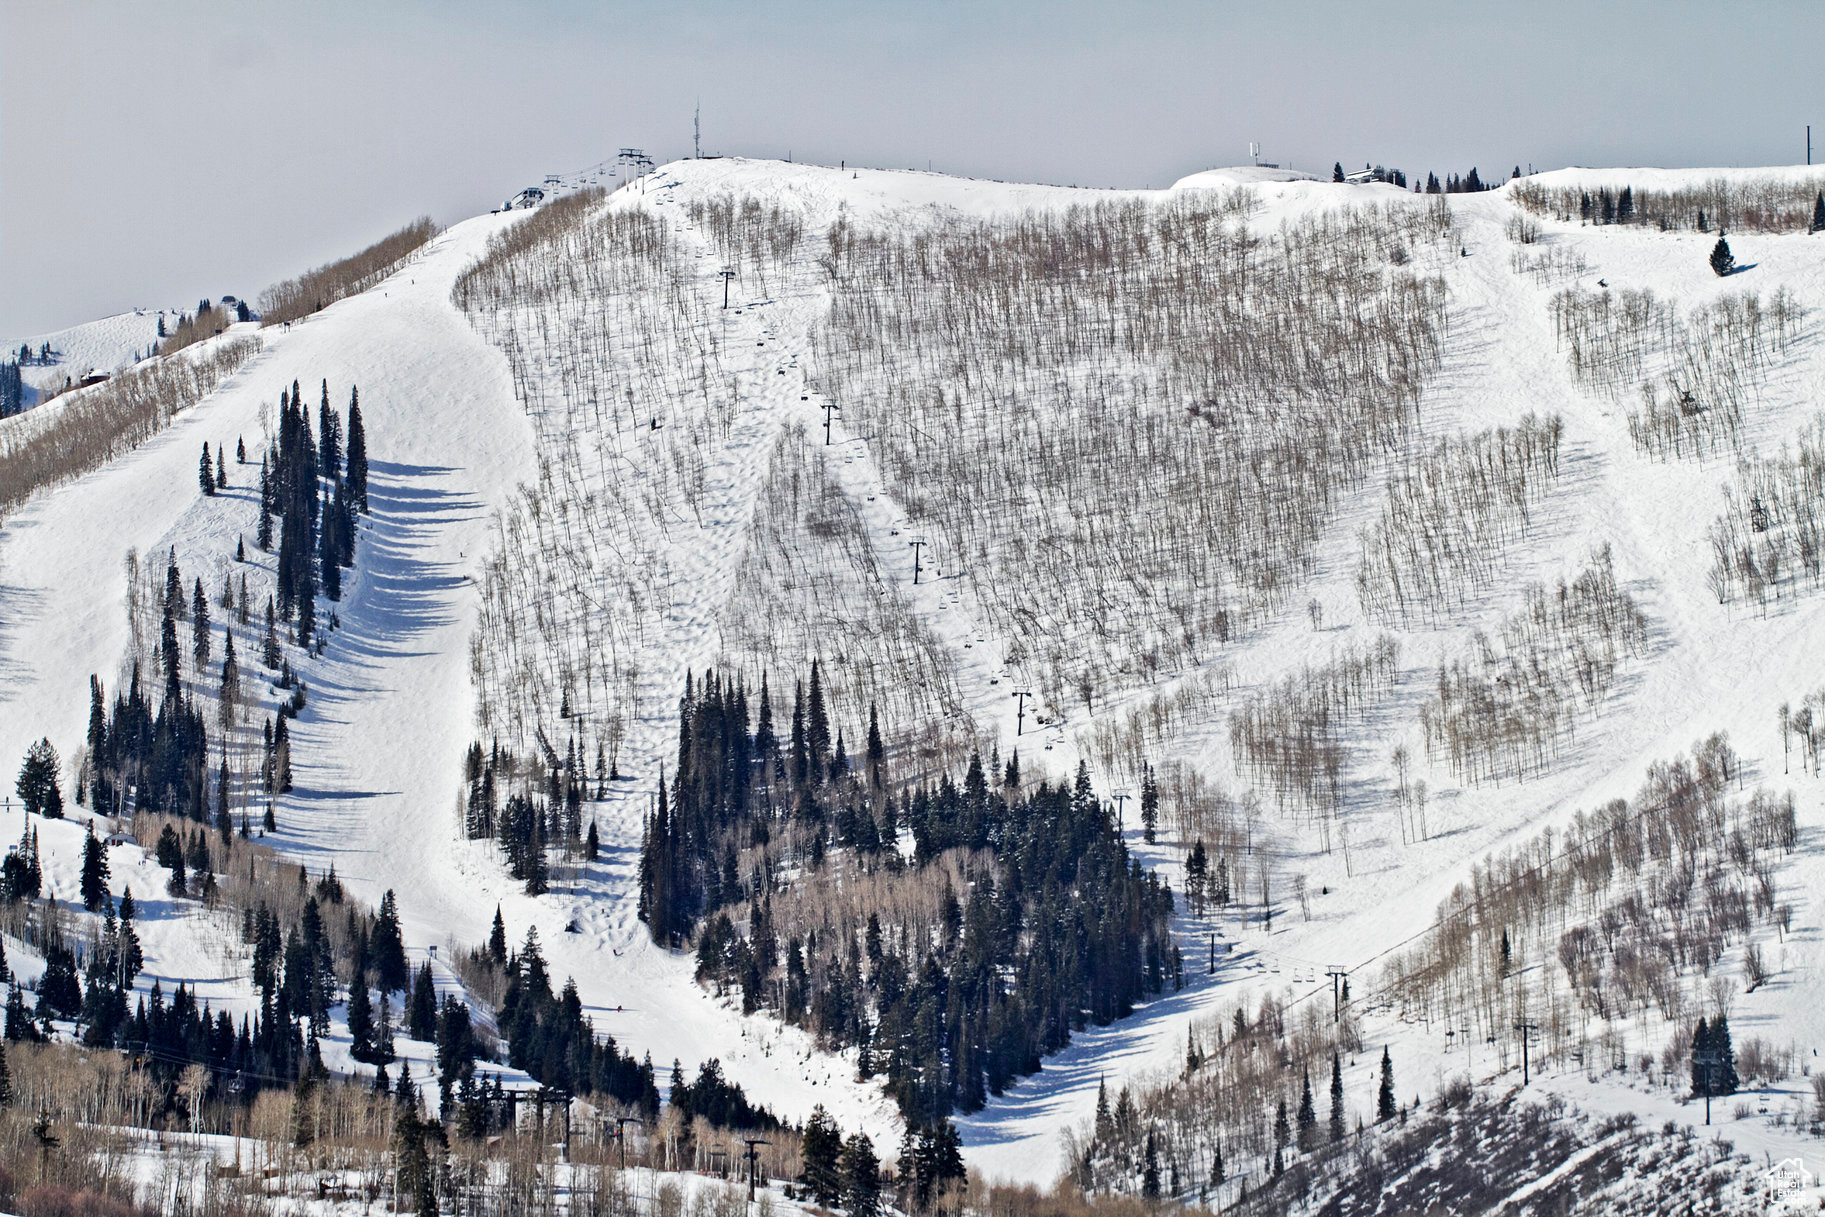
{"type": "Point", "coordinates": [1036, 923]}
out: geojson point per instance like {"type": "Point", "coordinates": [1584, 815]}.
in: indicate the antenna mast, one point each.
{"type": "Point", "coordinates": [697, 131]}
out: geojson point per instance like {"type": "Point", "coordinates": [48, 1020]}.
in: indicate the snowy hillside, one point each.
{"type": "Point", "coordinates": [1384, 531]}
{"type": "Point", "coordinates": [107, 345]}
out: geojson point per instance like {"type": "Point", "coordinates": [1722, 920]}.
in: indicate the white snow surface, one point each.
{"type": "Point", "coordinates": [378, 749]}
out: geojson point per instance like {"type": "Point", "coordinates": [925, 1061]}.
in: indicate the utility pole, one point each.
{"type": "Point", "coordinates": [828, 408]}
{"type": "Point", "coordinates": [1020, 714]}
{"type": "Point", "coordinates": [727, 274]}
{"type": "Point", "coordinates": [916, 546]}
{"type": "Point", "coordinates": [753, 1157]}
{"type": "Point", "coordinates": [1527, 1029]}
{"type": "Point", "coordinates": [1809, 143]}
{"type": "Point", "coordinates": [1336, 973]}
{"type": "Point", "coordinates": [697, 131]}
{"type": "Point", "coordinates": [1118, 798]}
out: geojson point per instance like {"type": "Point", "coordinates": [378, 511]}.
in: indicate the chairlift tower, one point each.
{"type": "Point", "coordinates": [753, 1158]}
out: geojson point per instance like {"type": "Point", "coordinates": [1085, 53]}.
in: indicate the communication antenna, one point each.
{"type": "Point", "coordinates": [697, 131]}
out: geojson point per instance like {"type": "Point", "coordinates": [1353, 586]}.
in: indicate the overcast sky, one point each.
{"type": "Point", "coordinates": [152, 153]}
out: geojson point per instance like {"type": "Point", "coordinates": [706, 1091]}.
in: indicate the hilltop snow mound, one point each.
{"type": "Point", "coordinates": [1242, 175]}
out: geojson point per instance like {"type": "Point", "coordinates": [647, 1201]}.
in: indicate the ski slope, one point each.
{"type": "Point", "coordinates": [378, 750]}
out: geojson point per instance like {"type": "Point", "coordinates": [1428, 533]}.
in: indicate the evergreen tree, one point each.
{"type": "Point", "coordinates": [1727, 1080]}
{"type": "Point", "coordinates": [329, 548]}
{"type": "Point", "coordinates": [1197, 877]}
{"type": "Point", "coordinates": [876, 761]}
{"type": "Point", "coordinates": [1713, 1059]}
{"type": "Point", "coordinates": [592, 845]}
{"type": "Point", "coordinates": [416, 1177]}
{"type": "Point", "coordinates": [861, 1177]}
{"type": "Point", "coordinates": [1337, 1127]}
{"type": "Point", "coordinates": [307, 615]}
{"type": "Point", "coordinates": [270, 654]}
{"type": "Point", "coordinates": [497, 939]}
{"type": "Point", "coordinates": [205, 471]}
{"type": "Point", "coordinates": [1625, 206]}
{"type": "Point", "coordinates": [383, 1036]}
{"type": "Point", "coordinates": [6, 1080]}
{"type": "Point", "coordinates": [361, 1015]}
{"type": "Point", "coordinates": [240, 451]}
{"type": "Point", "coordinates": [230, 696]}
{"type": "Point", "coordinates": [131, 959]}
{"type": "Point", "coordinates": [101, 798]}
{"type": "Point", "coordinates": [1337, 172]}
{"type": "Point", "coordinates": [263, 534]}
{"type": "Point", "coordinates": [391, 970]}
{"type": "Point", "coordinates": [224, 822]}
{"type": "Point", "coordinates": [94, 872]}
{"type": "Point", "coordinates": [817, 727]}
{"type": "Point", "coordinates": [1722, 260]}
{"type": "Point", "coordinates": [1150, 804]}
{"type": "Point", "coordinates": [221, 468]}
{"type": "Point", "coordinates": [329, 438]}
{"type": "Point", "coordinates": [1150, 1168]}
{"type": "Point", "coordinates": [821, 1154]}
{"type": "Point", "coordinates": [1818, 213]}
{"type": "Point", "coordinates": [1384, 1101]}
{"type": "Point", "coordinates": [357, 476]}
{"type": "Point", "coordinates": [1308, 1116]}
{"type": "Point", "coordinates": [37, 784]}
{"type": "Point", "coordinates": [421, 1016]}
{"type": "Point", "coordinates": [199, 628]}
{"type": "Point", "coordinates": [281, 759]}
{"type": "Point", "coordinates": [800, 769]}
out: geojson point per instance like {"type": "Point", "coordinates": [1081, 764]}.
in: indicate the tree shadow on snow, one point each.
{"type": "Point", "coordinates": [17, 604]}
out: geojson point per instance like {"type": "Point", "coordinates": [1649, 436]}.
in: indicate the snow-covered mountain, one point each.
{"type": "Point", "coordinates": [593, 484]}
